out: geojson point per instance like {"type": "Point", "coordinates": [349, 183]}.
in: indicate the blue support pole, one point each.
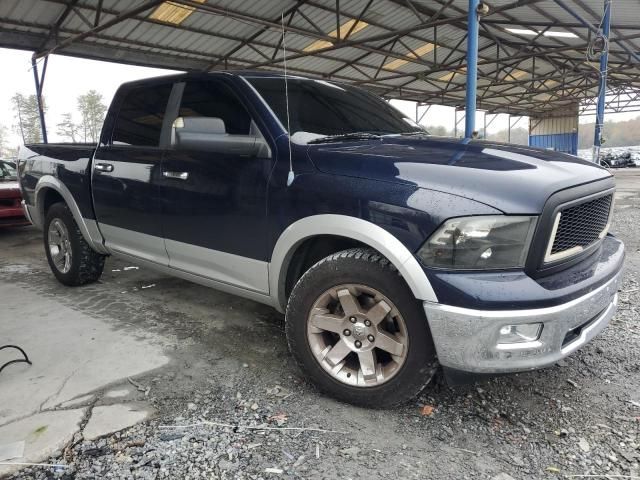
{"type": "Point", "coordinates": [472, 69]}
{"type": "Point", "coordinates": [39, 81]}
{"type": "Point", "coordinates": [602, 90]}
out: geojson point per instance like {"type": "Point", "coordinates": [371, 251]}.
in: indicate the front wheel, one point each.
{"type": "Point", "coordinates": [70, 257]}
{"type": "Point", "coordinates": [358, 332]}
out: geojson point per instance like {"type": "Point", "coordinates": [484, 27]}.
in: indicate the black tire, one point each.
{"type": "Point", "coordinates": [365, 267]}
{"type": "Point", "coordinates": [86, 263]}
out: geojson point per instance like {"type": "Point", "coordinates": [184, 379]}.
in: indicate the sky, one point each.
{"type": "Point", "coordinates": [68, 77]}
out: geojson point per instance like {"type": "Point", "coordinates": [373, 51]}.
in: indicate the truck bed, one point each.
{"type": "Point", "coordinates": [67, 162]}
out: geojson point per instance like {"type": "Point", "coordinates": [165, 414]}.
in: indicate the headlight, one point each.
{"type": "Point", "coordinates": [482, 242]}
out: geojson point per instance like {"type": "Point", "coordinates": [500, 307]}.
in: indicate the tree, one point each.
{"type": "Point", "coordinates": [519, 136]}
{"type": "Point", "coordinates": [439, 131]}
{"type": "Point", "coordinates": [92, 111]}
{"type": "Point", "coordinates": [27, 116]}
{"type": "Point", "coordinates": [616, 134]}
{"type": "Point", "coordinates": [67, 129]}
{"type": "Point", "coordinates": [3, 141]}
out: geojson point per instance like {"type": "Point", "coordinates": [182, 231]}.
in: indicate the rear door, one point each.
{"type": "Point", "coordinates": [213, 191]}
{"type": "Point", "coordinates": [126, 174]}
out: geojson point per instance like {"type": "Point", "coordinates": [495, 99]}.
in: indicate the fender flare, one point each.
{"type": "Point", "coordinates": [350, 227]}
{"type": "Point", "coordinates": [88, 228]}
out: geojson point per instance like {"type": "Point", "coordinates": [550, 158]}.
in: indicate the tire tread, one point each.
{"type": "Point", "coordinates": [374, 259]}
{"type": "Point", "coordinates": [90, 264]}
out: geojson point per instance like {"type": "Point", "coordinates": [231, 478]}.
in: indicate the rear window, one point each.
{"type": "Point", "coordinates": [139, 121]}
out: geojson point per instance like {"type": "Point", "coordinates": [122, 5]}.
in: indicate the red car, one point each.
{"type": "Point", "coordinates": [11, 213]}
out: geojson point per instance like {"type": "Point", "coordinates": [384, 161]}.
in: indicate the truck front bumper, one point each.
{"type": "Point", "coordinates": [468, 340]}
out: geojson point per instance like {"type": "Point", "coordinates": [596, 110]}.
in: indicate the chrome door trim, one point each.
{"type": "Point", "coordinates": [103, 167]}
{"type": "Point", "coordinates": [176, 175]}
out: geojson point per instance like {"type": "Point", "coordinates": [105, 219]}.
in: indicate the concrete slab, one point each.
{"type": "Point", "coordinates": [9, 451]}
{"type": "Point", "coordinates": [43, 434]}
{"type": "Point", "coordinates": [126, 391]}
{"type": "Point", "coordinates": [113, 418]}
{"type": "Point", "coordinates": [72, 353]}
{"type": "Point", "coordinates": [81, 401]}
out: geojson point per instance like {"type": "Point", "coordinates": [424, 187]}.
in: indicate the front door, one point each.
{"type": "Point", "coordinates": [126, 171]}
{"type": "Point", "coordinates": [214, 195]}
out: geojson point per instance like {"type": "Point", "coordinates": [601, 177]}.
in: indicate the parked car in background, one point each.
{"type": "Point", "coordinates": [11, 212]}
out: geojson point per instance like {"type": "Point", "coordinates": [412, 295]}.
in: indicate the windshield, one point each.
{"type": "Point", "coordinates": [7, 171]}
{"type": "Point", "coordinates": [326, 108]}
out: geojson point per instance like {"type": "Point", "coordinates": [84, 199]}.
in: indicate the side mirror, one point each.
{"type": "Point", "coordinates": [209, 134]}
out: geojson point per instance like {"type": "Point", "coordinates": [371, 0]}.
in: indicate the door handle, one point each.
{"type": "Point", "coordinates": [103, 167]}
{"type": "Point", "coordinates": [176, 175]}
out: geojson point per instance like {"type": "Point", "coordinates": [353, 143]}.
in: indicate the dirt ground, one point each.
{"type": "Point", "coordinates": [230, 369]}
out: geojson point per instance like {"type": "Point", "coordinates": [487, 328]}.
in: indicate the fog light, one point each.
{"type": "Point", "coordinates": [527, 332]}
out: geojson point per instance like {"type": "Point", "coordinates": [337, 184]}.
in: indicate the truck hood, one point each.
{"type": "Point", "coordinates": [510, 178]}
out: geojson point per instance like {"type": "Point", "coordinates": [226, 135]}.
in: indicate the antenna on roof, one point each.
{"type": "Point", "coordinates": [291, 175]}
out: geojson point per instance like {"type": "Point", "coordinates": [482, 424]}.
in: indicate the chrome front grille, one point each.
{"type": "Point", "coordinates": [577, 227]}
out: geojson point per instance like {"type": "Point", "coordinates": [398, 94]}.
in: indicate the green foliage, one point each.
{"type": "Point", "coordinates": [519, 136]}
{"type": "Point", "coordinates": [439, 131]}
{"type": "Point", "coordinates": [616, 134]}
{"type": "Point", "coordinates": [92, 111]}
{"type": "Point", "coordinates": [25, 108]}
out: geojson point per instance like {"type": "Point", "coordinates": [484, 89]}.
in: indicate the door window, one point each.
{"type": "Point", "coordinates": [215, 100]}
{"type": "Point", "coordinates": [139, 120]}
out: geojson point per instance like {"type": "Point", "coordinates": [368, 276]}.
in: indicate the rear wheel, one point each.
{"type": "Point", "coordinates": [356, 329]}
{"type": "Point", "coordinates": [70, 257]}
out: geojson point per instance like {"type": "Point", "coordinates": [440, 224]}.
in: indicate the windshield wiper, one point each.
{"type": "Point", "coordinates": [347, 136]}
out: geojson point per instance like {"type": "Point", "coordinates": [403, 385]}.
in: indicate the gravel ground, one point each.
{"type": "Point", "coordinates": [233, 405]}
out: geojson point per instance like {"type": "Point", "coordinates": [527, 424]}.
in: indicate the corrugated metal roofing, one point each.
{"type": "Point", "coordinates": [518, 73]}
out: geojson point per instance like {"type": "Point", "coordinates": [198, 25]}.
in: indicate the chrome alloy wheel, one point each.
{"type": "Point", "coordinates": [357, 335]}
{"type": "Point", "coordinates": [59, 245]}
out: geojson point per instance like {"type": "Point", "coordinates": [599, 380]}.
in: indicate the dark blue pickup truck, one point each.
{"type": "Point", "coordinates": [388, 249]}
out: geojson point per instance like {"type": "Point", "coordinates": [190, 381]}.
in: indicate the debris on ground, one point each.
{"type": "Point", "coordinates": [427, 410]}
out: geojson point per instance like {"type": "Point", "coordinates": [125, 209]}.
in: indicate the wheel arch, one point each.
{"type": "Point", "coordinates": [351, 228]}
{"type": "Point", "coordinates": [49, 185]}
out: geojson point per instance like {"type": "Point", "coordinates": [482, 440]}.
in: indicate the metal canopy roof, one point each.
{"type": "Point", "coordinates": [404, 49]}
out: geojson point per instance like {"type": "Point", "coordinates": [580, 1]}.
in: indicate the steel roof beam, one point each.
{"type": "Point", "coordinates": [53, 32]}
{"type": "Point", "coordinates": [536, 23]}
{"type": "Point", "coordinates": [346, 63]}
{"type": "Point", "coordinates": [500, 10]}
{"type": "Point", "coordinates": [96, 20]}
{"type": "Point", "coordinates": [290, 12]}
{"type": "Point", "coordinates": [618, 39]}
{"type": "Point", "coordinates": [81, 36]}
{"type": "Point", "coordinates": [413, 35]}
{"type": "Point", "coordinates": [587, 24]}
{"type": "Point", "coordinates": [360, 43]}
{"type": "Point", "coordinates": [229, 37]}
